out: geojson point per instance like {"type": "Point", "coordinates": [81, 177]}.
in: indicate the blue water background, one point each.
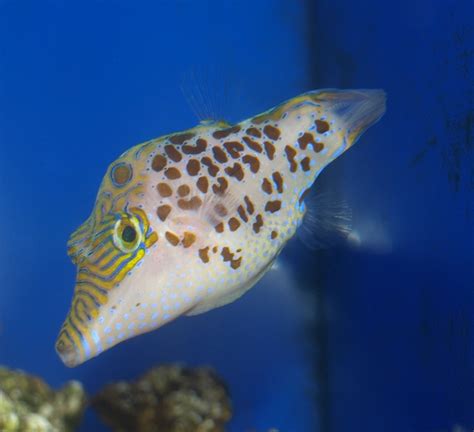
{"type": "Point", "coordinates": [390, 346]}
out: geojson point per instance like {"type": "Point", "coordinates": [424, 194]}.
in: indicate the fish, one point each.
{"type": "Point", "coordinates": [190, 221]}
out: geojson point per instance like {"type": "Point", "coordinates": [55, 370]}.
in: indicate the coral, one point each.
{"type": "Point", "coordinates": [28, 404]}
{"type": "Point", "coordinates": [167, 398]}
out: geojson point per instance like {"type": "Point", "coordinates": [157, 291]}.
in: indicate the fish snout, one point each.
{"type": "Point", "coordinates": [68, 352]}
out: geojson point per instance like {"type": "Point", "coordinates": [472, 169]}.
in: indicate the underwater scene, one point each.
{"type": "Point", "coordinates": [242, 216]}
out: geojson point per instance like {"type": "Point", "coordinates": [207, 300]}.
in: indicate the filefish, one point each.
{"type": "Point", "coordinates": [190, 221]}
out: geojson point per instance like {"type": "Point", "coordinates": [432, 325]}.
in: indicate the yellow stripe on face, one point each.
{"type": "Point", "coordinates": [90, 290]}
{"type": "Point", "coordinates": [110, 270]}
{"type": "Point", "coordinates": [73, 334]}
{"type": "Point", "coordinates": [92, 278]}
{"type": "Point", "coordinates": [140, 254]}
{"type": "Point", "coordinates": [151, 240]}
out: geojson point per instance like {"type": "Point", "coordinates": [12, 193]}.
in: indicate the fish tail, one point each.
{"type": "Point", "coordinates": [321, 125]}
{"type": "Point", "coordinates": [354, 111]}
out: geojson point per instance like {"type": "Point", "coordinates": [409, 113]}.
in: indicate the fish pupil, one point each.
{"type": "Point", "coordinates": [129, 234]}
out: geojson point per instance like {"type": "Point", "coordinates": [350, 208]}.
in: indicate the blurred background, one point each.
{"type": "Point", "coordinates": [376, 334]}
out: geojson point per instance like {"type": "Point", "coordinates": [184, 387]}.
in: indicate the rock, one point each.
{"type": "Point", "coordinates": [28, 404]}
{"type": "Point", "coordinates": [167, 398]}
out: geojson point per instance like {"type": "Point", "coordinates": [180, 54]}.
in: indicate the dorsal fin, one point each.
{"type": "Point", "coordinates": [211, 92]}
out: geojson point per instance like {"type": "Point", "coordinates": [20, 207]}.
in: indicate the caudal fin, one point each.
{"type": "Point", "coordinates": [356, 110]}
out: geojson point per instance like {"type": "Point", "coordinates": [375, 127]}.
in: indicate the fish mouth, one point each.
{"type": "Point", "coordinates": [68, 352]}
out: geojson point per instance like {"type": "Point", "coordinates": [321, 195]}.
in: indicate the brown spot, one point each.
{"type": "Point", "coordinates": [318, 147]}
{"type": "Point", "coordinates": [219, 227]}
{"type": "Point", "coordinates": [202, 184]}
{"type": "Point", "coordinates": [258, 224]}
{"type": "Point", "coordinates": [189, 204]}
{"type": "Point", "coordinates": [188, 239]}
{"type": "Point", "coordinates": [172, 238]}
{"type": "Point", "coordinates": [273, 235]}
{"type": "Point", "coordinates": [221, 210]}
{"type": "Point", "coordinates": [278, 179]}
{"type": "Point", "coordinates": [214, 249]}
{"type": "Point", "coordinates": [180, 138]}
{"type": "Point", "coordinates": [234, 224]}
{"type": "Point", "coordinates": [273, 206]}
{"type": "Point", "coordinates": [164, 190]}
{"type": "Point", "coordinates": [305, 139]}
{"type": "Point", "coordinates": [252, 131]}
{"type": "Point", "coordinates": [234, 148]}
{"type": "Point", "coordinates": [173, 153]}
{"type": "Point", "coordinates": [308, 138]}
{"type": "Point", "coordinates": [267, 186]}
{"type": "Point", "coordinates": [321, 126]}
{"type": "Point", "coordinates": [254, 145]}
{"type": "Point", "coordinates": [271, 132]}
{"type": "Point", "coordinates": [290, 155]}
{"type": "Point", "coordinates": [158, 163]}
{"type": "Point", "coordinates": [235, 171]}
{"type": "Point", "coordinates": [305, 164]}
{"type": "Point", "coordinates": [121, 174]}
{"type": "Point", "coordinates": [242, 214]}
{"type": "Point", "coordinates": [235, 264]}
{"type": "Point", "coordinates": [304, 195]}
{"type": "Point", "coordinates": [204, 254]}
{"type": "Point", "coordinates": [223, 184]}
{"type": "Point", "coordinates": [227, 255]}
{"type": "Point", "coordinates": [249, 204]}
{"type": "Point", "coordinates": [173, 173]}
{"type": "Point", "coordinates": [163, 212]}
{"type": "Point", "coordinates": [183, 190]}
{"type": "Point", "coordinates": [269, 149]}
{"type": "Point", "coordinates": [211, 168]}
{"type": "Point", "coordinates": [201, 145]}
{"type": "Point", "coordinates": [253, 162]}
{"type": "Point", "coordinates": [223, 133]}
{"type": "Point", "coordinates": [193, 166]}
{"type": "Point", "coordinates": [219, 154]}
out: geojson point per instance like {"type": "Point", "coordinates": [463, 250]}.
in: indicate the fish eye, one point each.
{"type": "Point", "coordinates": [127, 234]}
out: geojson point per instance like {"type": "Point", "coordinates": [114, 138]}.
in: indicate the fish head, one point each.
{"type": "Point", "coordinates": [116, 256]}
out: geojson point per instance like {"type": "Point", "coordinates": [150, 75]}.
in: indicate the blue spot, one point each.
{"type": "Point", "coordinates": [110, 340]}
{"type": "Point", "coordinates": [107, 330]}
{"type": "Point", "coordinates": [118, 326]}
{"type": "Point", "coordinates": [154, 316]}
{"type": "Point", "coordinates": [87, 348]}
{"type": "Point", "coordinates": [131, 326]}
{"type": "Point", "coordinates": [95, 337]}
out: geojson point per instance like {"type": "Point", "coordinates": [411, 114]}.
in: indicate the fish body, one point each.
{"type": "Point", "coordinates": [192, 220]}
